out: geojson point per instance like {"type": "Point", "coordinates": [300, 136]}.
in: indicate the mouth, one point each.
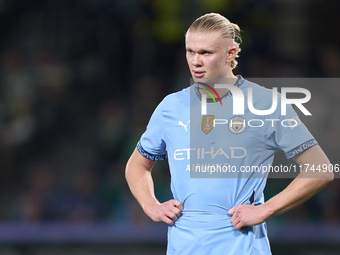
{"type": "Point", "coordinates": [198, 74]}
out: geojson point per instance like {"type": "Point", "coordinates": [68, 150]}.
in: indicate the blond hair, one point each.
{"type": "Point", "coordinates": [213, 22]}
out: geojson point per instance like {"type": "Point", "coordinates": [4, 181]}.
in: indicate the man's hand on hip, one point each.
{"type": "Point", "coordinates": [246, 215]}
{"type": "Point", "coordinates": [167, 212]}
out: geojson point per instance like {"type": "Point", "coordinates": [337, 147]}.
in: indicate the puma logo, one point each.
{"type": "Point", "coordinates": [185, 126]}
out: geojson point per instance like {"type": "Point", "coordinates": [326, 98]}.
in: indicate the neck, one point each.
{"type": "Point", "coordinates": [212, 82]}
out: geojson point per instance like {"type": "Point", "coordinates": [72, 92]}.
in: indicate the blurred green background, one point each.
{"type": "Point", "coordinates": [79, 80]}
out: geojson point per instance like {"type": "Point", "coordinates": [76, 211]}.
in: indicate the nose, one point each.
{"type": "Point", "coordinates": [196, 60]}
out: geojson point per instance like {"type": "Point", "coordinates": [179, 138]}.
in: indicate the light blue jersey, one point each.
{"type": "Point", "coordinates": [210, 158]}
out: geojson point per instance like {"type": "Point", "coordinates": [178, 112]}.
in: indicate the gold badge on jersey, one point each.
{"type": "Point", "coordinates": [207, 123]}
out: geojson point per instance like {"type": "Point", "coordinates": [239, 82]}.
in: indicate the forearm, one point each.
{"type": "Point", "coordinates": [296, 193]}
{"type": "Point", "coordinates": [140, 182]}
{"type": "Point", "coordinates": [302, 188]}
{"type": "Point", "coordinates": [306, 185]}
{"type": "Point", "coordinates": [138, 176]}
{"type": "Point", "coordinates": [141, 186]}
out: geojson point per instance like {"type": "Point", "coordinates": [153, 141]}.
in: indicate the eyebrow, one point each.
{"type": "Point", "coordinates": [199, 51]}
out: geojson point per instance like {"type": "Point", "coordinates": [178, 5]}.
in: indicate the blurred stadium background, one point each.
{"type": "Point", "coordinates": [79, 80]}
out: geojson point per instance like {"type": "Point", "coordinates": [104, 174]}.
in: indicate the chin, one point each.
{"type": "Point", "coordinates": [197, 79]}
{"type": "Point", "coordinates": [209, 81]}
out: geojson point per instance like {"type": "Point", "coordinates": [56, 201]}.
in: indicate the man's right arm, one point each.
{"type": "Point", "coordinates": [138, 176]}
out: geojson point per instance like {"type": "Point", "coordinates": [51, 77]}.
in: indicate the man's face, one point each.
{"type": "Point", "coordinates": [209, 55]}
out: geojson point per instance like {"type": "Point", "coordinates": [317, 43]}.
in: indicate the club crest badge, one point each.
{"type": "Point", "coordinates": [237, 125]}
{"type": "Point", "coordinates": [207, 123]}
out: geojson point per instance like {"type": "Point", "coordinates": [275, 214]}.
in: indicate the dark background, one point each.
{"type": "Point", "coordinates": [79, 80]}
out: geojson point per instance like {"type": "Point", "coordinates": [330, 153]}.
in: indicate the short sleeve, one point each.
{"type": "Point", "coordinates": [151, 144]}
{"type": "Point", "coordinates": [288, 133]}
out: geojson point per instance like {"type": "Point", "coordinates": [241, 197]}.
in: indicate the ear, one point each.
{"type": "Point", "coordinates": [231, 54]}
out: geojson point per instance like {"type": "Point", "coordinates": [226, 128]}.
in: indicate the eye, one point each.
{"type": "Point", "coordinates": [206, 53]}
{"type": "Point", "coordinates": [190, 51]}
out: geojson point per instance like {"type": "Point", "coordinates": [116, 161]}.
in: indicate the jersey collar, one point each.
{"type": "Point", "coordinates": [238, 83]}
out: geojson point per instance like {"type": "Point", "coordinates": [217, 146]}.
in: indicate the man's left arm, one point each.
{"type": "Point", "coordinates": [303, 187]}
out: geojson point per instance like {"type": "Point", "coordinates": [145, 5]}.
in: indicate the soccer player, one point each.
{"type": "Point", "coordinates": [224, 214]}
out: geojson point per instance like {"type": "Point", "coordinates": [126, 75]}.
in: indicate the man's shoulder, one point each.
{"type": "Point", "coordinates": [261, 96]}
{"type": "Point", "coordinates": [256, 87]}
{"type": "Point", "coordinates": [258, 90]}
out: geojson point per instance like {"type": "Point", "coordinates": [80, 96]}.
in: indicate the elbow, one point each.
{"type": "Point", "coordinates": [127, 171]}
{"type": "Point", "coordinates": [330, 177]}
{"type": "Point", "coordinates": [327, 177]}
{"type": "Point", "coordinates": [126, 174]}
{"type": "Point", "coordinates": [330, 173]}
